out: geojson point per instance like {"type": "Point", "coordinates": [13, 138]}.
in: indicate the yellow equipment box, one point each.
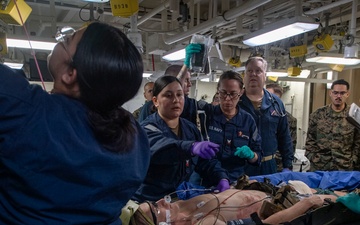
{"type": "Point", "coordinates": [124, 8]}
{"type": "Point", "coordinates": [294, 71]}
{"type": "Point", "coordinates": [10, 15]}
{"type": "Point", "coordinates": [3, 45]}
{"type": "Point", "coordinates": [298, 51]}
{"type": "Point", "coordinates": [272, 78]}
{"type": "Point", "coordinates": [235, 61]}
{"type": "Point", "coordinates": [336, 67]}
{"type": "Point", "coordinates": [323, 42]}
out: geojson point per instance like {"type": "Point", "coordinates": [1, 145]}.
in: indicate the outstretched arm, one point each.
{"type": "Point", "coordinates": [296, 210]}
{"type": "Point", "coordinates": [189, 51]}
{"type": "Point", "coordinates": [182, 74]}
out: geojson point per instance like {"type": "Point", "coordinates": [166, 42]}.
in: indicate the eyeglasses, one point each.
{"type": "Point", "coordinates": [61, 36]}
{"type": "Point", "coordinates": [63, 33]}
{"type": "Point", "coordinates": [341, 93]}
{"type": "Point", "coordinates": [232, 95]}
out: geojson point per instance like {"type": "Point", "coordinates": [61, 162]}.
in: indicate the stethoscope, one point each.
{"type": "Point", "coordinates": [276, 105]}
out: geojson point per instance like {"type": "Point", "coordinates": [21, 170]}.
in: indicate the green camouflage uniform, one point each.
{"type": "Point", "coordinates": [292, 121]}
{"type": "Point", "coordinates": [136, 113]}
{"type": "Point", "coordinates": [332, 142]}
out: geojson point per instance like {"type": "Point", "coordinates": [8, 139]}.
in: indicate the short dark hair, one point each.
{"type": "Point", "coordinates": [231, 75]}
{"type": "Point", "coordinates": [148, 83]}
{"type": "Point", "coordinates": [276, 87]}
{"type": "Point", "coordinates": [340, 82]}
{"type": "Point", "coordinates": [162, 82]}
{"type": "Point", "coordinates": [173, 70]}
{"type": "Point", "coordinates": [217, 93]}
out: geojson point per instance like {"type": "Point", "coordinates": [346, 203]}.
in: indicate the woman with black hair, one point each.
{"type": "Point", "coordinates": [234, 130]}
{"type": "Point", "coordinates": [73, 156]}
{"type": "Point", "coordinates": [175, 142]}
{"type": "Point", "coordinates": [229, 126]}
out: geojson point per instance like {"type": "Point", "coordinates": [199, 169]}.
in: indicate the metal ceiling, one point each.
{"type": "Point", "coordinates": [227, 21]}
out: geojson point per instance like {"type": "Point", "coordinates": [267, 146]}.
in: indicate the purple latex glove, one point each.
{"type": "Point", "coordinates": [223, 185]}
{"type": "Point", "coordinates": [286, 170]}
{"type": "Point", "coordinates": [205, 149]}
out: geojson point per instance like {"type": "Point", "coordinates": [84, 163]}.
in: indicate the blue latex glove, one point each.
{"type": "Point", "coordinates": [286, 170]}
{"type": "Point", "coordinates": [244, 152]}
{"type": "Point", "coordinates": [189, 51]}
{"type": "Point", "coordinates": [205, 149]}
{"type": "Point", "coordinates": [223, 185]}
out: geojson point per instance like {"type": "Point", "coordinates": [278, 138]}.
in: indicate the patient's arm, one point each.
{"type": "Point", "coordinates": [211, 220]}
{"type": "Point", "coordinates": [296, 210]}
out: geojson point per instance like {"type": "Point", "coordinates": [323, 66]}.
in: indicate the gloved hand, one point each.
{"type": "Point", "coordinates": [286, 170]}
{"type": "Point", "coordinates": [223, 185]}
{"type": "Point", "coordinates": [244, 152]}
{"type": "Point", "coordinates": [205, 149]}
{"type": "Point", "coordinates": [189, 51]}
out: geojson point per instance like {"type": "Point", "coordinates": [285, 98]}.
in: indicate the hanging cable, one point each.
{"type": "Point", "coordinates": [31, 48]}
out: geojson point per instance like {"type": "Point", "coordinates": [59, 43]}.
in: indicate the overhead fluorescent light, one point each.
{"type": "Point", "coordinates": [239, 69]}
{"type": "Point", "coordinates": [97, 1]}
{"type": "Point", "coordinates": [329, 76]}
{"type": "Point", "coordinates": [277, 73]}
{"type": "Point", "coordinates": [175, 55]}
{"type": "Point", "coordinates": [304, 73]}
{"type": "Point", "coordinates": [147, 74]}
{"type": "Point", "coordinates": [41, 45]}
{"type": "Point", "coordinates": [14, 65]}
{"type": "Point", "coordinates": [280, 30]}
{"type": "Point", "coordinates": [332, 58]}
{"type": "Point", "coordinates": [209, 80]}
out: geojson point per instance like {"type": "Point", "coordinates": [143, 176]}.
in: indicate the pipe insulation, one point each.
{"type": "Point", "coordinates": [327, 7]}
{"type": "Point", "coordinates": [228, 15]}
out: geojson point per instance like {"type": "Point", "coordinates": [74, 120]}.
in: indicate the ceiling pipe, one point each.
{"type": "Point", "coordinates": [155, 11]}
{"type": "Point", "coordinates": [353, 18]}
{"type": "Point", "coordinates": [191, 12]}
{"type": "Point", "coordinates": [327, 7]}
{"type": "Point", "coordinates": [240, 31]}
{"type": "Point", "coordinates": [310, 80]}
{"type": "Point", "coordinates": [235, 43]}
{"type": "Point", "coordinates": [198, 14]}
{"type": "Point", "coordinates": [224, 39]}
{"type": "Point", "coordinates": [53, 22]}
{"type": "Point", "coordinates": [61, 7]}
{"type": "Point", "coordinates": [228, 15]}
{"type": "Point", "coordinates": [352, 50]}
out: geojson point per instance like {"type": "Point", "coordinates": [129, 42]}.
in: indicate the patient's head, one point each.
{"type": "Point", "coordinates": [141, 218]}
{"type": "Point", "coordinates": [151, 213]}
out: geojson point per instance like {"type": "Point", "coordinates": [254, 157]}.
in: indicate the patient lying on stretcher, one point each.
{"type": "Point", "coordinates": [220, 208]}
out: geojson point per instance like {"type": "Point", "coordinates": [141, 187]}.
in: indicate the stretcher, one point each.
{"type": "Point", "coordinates": [346, 211]}
{"type": "Point", "coordinates": [335, 213]}
{"type": "Point", "coordinates": [330, 180]}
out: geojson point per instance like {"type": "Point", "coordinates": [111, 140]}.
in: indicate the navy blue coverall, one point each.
{"type": "Point", "coordinates": [274, 130]}
{"type": "Point", "coordinates": [229, 134]}
{"type": "Point", "coordinates": [171, 160]}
